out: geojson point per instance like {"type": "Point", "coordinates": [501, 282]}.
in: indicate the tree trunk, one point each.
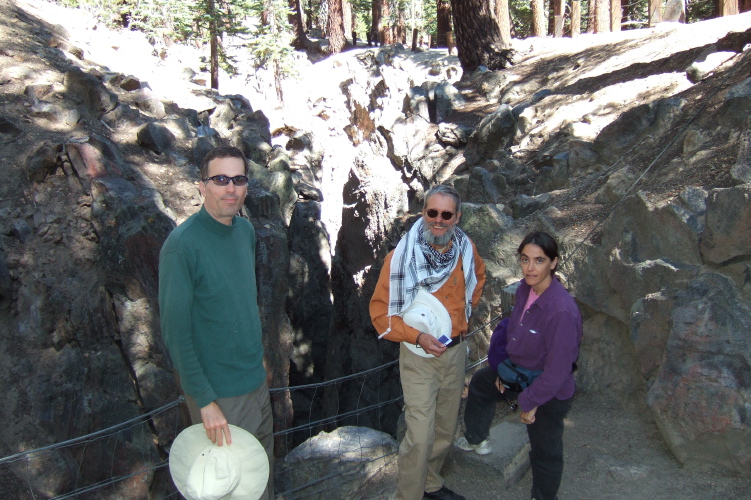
{"type": "Point", "coordinates": [213, 46]}
{"type": "Point", "coordinates": [353, 20]}
{"type": "Point", "coordinates": [728, 7]}
{"type": "Point", "coordinates": [615, 15]}
{"type": "Point", "coordinates": [603, 16]}
{"type": "Point", "coordinates": [676, 10]}
{"type": "Point", "coordinates": [375, 26]}
{"type": "Point", "coordinates": [385, 34]}
{"type": "Point", "coordinates": [443, 21]}
{"type": "Point", "coordinates": [558, 18]}
{"type": "Point", "coordinates": [347, 18]}
{"type": "Point", "coordinates": [336, 26]}
{"type": "Point", "coordinates": [478, 37]}
{"type": "Point", "coordinates": [401, 27]}
{"type": "Point", "coordinates": [503, 18]}
{"type": "Point", "coordinates": [576, 18]}
{"type": "Point", "coordinates": [551, 18]}
{"type": "Point", "coordinates": [655, 12]}
{"type": "Point", "coordinates": [592, 16]}
{"type": "Point", "coordinates": [295, 20]}
{"type": "Point", "coordinates": [538, 18]}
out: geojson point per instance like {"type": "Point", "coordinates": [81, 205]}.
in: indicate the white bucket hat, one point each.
{"type": "Point", "coordinates": [428, 315]}
{"type": "Point", "coordinates": [202, 470]}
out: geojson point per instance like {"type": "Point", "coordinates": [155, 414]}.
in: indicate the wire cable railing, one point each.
{"type": "Point", "coordinates": [148, 416]}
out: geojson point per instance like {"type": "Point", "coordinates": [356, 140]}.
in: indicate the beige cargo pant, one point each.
{"type": "Point", "coordinates": [432, 392]}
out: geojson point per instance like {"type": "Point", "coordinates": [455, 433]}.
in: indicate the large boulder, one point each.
{"type": "Point", "coordinates": [645, 246]}
{"type": "Point", "coordinates": [416, 103]}
{"type": "Point", "coordinates": [728, 225]}
{"type": "Point", "coordinates": [453, 134]}
{"type": "Point", "coordinates": [493, 233]}
{"type": "Point", "coordinates": [156, 137]}
{"type": "Point", "coordinates": [524, 206]}
{"type": "Point", "coordinates": [650, 330]}
{"type": "Point", "coordinates": [447, 99]}
{"type": "Point", "coordinates": [42, 161]}
{"type": "Point", "coordinates": [701, 395]}
{"type": "Point", "coordinates": [88, 90]}
{"type": "Point", "coordinates": [495, 132]}
{"type": "Point", "coordinates": [277, 181]}
{"type": "Point", "coordinates": [149, 103]}
{"type": "Point", "coordinates": [229, 109]}
{"type": "Point", "coordinates": [736, 106]}
{"type": "Point", "coordinates": [654, 120]}
{"type": "Point", "coordinates": [252, 136]}
{"type": "Point", "coordinates": [607, 360]}
{"type": "Point", "coordinates": [707, 62]}
{"type": "Point", "coordinates": [491, 84]}
{"type": "Point", "coordinates": [357, 462]}
{"type": "Point", "coordinates": [484, 187]}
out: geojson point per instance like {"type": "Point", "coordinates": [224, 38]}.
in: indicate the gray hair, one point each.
{"type": "Point", "coordinates": [444, 190]}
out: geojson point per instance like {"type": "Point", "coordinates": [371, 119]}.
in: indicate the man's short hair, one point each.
{"type": "Point", "coordinates": [444, 190]}
{"type": "Point", "coordinates": [221, 152]}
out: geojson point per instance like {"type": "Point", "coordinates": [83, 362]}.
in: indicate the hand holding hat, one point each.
{"type": "Point", "coordinates": [429, 316]}
{"type": "Point", "coordinates": [202, 470]}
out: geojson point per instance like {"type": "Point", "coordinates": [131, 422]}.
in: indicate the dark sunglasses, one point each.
{"type": "Point", "coordinates": [223, 180]}
{"type": "Point", "coordinates": [445, 215]}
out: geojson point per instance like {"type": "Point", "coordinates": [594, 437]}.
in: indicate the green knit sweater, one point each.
{"type": "Point", "coordinates": [209, 309]}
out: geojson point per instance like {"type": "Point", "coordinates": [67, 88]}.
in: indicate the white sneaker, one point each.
{"type": "Point", "coordinates": [483, 448]}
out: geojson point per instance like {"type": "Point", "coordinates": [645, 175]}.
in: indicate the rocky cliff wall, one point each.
{"type": "Point", "coordinates": [99, 170]}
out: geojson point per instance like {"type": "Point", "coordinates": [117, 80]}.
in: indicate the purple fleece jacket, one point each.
{"type": "Point", "coordinates": [546, 338]}
{"type": "Point", "coordinates": [497, 349]}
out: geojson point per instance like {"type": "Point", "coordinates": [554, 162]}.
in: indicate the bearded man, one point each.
{"type": "Point", "coordinates": [438, 258]}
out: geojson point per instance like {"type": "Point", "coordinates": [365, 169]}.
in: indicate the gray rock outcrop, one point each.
{"type": "Point", "coordinates": [663, 282]}
{"type": "Point", "coordinates": [350, 462]}
{"type": "Point", "coordinates": [701, 394]}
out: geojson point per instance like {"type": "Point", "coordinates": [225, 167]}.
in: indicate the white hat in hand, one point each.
{"type": "Point", "coordinates": [202, 470]}
{"type": "Point", "coordinates": [428, 315]}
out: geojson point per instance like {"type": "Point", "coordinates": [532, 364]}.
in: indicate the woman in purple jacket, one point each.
{"type": "Point", "coordinates": [541, 343]}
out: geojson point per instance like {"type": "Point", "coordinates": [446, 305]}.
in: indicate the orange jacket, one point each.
{"type": "Point", "coordinates": [451, 295]}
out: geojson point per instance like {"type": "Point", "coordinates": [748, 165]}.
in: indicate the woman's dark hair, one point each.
{"type": "Point", "coordinates": [544, 241]}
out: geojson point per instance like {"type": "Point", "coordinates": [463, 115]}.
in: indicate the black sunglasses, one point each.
{"type": "Point", "coordinates": [223, 180]}
{"type": "Point", "coordinates": [445, 215]}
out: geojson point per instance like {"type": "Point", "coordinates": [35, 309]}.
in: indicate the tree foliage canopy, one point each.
{"type": "Point", "coordinates": [265, 25]}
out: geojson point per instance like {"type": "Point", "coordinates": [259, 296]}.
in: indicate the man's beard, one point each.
{"type": "Point", "coordinates": [438, 241]}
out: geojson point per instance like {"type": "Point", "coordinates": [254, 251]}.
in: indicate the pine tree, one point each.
{"type": "Point", "coordinates": [478, 36]}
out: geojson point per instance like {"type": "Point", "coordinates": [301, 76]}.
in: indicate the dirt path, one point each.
{"type": "Point", "coordinates": [612, 451]}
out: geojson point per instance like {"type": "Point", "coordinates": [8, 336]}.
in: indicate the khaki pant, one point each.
{"type": "Point", "coordinates": [251, 412]}
{"type": "Point", "coordinates": [432, 392]}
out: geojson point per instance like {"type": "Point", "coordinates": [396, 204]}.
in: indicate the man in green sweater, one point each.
{"type": "Point", "coordinates": [209, 310]}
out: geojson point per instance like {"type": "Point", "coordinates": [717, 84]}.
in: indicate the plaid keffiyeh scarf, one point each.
{"type": "Point", "coordinates": [416, 264]}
